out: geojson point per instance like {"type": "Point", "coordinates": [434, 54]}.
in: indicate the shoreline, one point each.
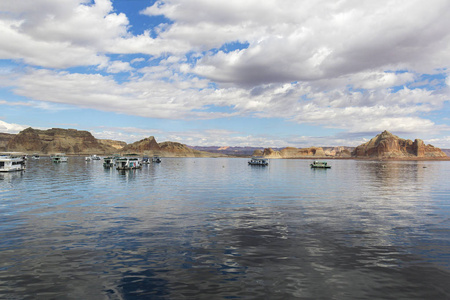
{"type": "Point", "coordinates": [305, 158]}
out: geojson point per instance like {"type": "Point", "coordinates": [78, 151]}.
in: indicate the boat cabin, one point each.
{"type": "Point", "coordinates": [59, 158]}
{"type": "Point", "coordinates": [12, 161]}
{"type": "Point", "coordinates": [127, 163]}
{"type": "Point", "coordinates": [258, 161]}
{"type": "Point", "coordinates": [320, 165]}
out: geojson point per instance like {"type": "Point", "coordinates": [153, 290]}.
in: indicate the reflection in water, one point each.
{"type": "Point", "coordinates": [218, 228]}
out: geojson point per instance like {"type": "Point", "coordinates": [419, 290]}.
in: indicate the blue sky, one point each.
{"type": "Point", "coordinates": [228, 72]}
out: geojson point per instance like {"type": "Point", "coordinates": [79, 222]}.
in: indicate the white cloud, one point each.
{"type": "Point", "coordinates": [304, 40]}
{"type": "Point", "coordinates": [118, 67]}
{"type": "Point", "coordinates": [352, 65]}
{"type": "Point", "coordinates": [11, 127]}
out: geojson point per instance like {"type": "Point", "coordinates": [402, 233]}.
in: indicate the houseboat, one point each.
{"type": "Point", "coordinates": [127, 163]}
{"type": "Point", "coordinates": [258, 161]}
{"type": "Point", "coordinates": [320, 165]}
{"type": "Point", "coordinates": [92, 157]}
{"type": "Point", "coordinates": [12, 161]}
{"type": "Point", "coordinates": [109, 161]}
{"type": "Point", "coordinates": [35, 156]}
{"type": "Point", "coordinates": [58, 158]}
{"type": "Point", "coordinates": [156, 159]}
{"type": "Point", "coordinates": [145, 160]}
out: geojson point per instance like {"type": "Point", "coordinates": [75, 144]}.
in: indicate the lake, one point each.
{"type": "Point", "coordinates": [217, 228]}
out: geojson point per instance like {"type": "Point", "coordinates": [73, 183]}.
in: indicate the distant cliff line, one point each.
{"type": "Point", "coordinates": [78, 142]}
{"type": "Point", "coordinates": [383, 146]}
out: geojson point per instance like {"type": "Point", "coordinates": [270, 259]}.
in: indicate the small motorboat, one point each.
{"type": "Point", "coordinates": [320, 165]}
{"type": "Point", "coordinates": [258, 161]}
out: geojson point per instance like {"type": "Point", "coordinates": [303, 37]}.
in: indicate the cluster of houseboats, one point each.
{"type": "Point", "coordinates": [16, 161]}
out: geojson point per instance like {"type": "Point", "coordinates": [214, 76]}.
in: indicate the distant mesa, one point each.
{"type": "Point", "coordinates": [315, 152]}
{"type": "Point", "coordinates": [387, 145]}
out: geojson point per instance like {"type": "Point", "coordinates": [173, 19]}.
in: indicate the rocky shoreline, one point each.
{"type": "Point", "coordinates": [384, 146]}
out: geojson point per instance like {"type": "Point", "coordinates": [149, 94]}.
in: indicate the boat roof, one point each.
{"type": "Point", "coordinates": [12, 153]}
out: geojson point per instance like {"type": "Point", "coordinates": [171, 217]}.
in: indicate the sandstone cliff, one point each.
{"type": "Point", "coordinates": [69, 141]}
{"type": "Point", "coordinates": [291, 152]}
{"type": "Point", "coordinates": [174, 149]}
{"type": "Point", "coordinates": [387, 145]}
{"type": "Point", "coordinates": [114, 144]}
{"type": "Point", "coordinates": [144, 146]}
{"type": "Point", "coordinates": [339, 151]}
{"type": "Point", "coordinates": [4, 140]}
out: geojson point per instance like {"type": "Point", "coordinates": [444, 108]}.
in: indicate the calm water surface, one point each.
{"type": "Point", "coordinates": [199, 228]}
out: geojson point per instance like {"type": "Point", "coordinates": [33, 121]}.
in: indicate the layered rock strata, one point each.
{"type": "Point", "coordinates": [387, 145]}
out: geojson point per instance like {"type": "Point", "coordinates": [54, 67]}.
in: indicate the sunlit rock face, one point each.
{"type": "Point", "coordinates": [147, 144]}
{"type": "Point", "coordinates": [388, 145]}
{"type": "Point", "coordinates": [69, 141]}
{"type": "Point", "coordinates": [291, 152]}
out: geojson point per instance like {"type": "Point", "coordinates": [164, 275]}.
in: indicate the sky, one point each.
{"type": "Point", "coordinates": [262, 73]}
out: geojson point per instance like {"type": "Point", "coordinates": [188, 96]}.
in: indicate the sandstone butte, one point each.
{"type": "Point", "coordinates": [387, 145]}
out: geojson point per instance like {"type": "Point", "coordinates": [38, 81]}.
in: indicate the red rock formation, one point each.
{"type": "Point", "coordinates": [388, 145]}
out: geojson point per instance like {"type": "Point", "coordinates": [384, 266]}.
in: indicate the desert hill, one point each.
{"type": "Point", "coordinates": [149, 146]}
{"type": "Point", "coordinates": [316, 152]}
{"type": "Point", "coordinates": [4, 140]}
{"type": "Point", "coordinates": [387, 145]}
{"type": "Point", "coordinates": [78, 142]}
{"type": "Point", "coordinates": [69, 141]}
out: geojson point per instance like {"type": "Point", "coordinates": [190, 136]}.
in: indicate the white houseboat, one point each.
{"type": "Point", "coordinates": [109, 161]}
{"type": "Point", "coordinates": [127, 163]}
{"type": "Point", "coordinates": [12, 161]}
{"type": "Point", "coordinates": [320, 165]}
{"type": "Point", "coordinates": [258, 161]}
{"type": "Point", "coordinates": [92, 157]}
{"type": "Point", "coordinates": [156, 159]}
{"type": "Point", "coordinates": [58, 158]}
